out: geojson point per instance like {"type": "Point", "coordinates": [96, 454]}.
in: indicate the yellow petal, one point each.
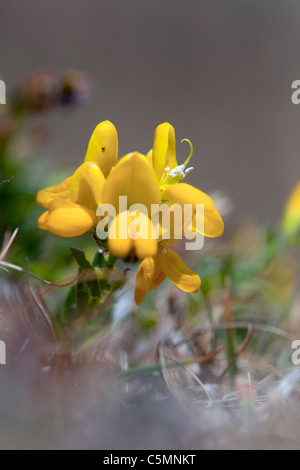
{"type": "Point", "coordinates": [164, 149]}
{"type": "Point", "coordinates": [67, 219]}
{"type": "Point", "coordinates": [291, 218]}
{"type": "Point", "coordinates": [173, 266]}
{"type": "Point", "coordinates": [144, 248]}
{"type": "Point", "coordinates": [47, 195]}
{"type": "Point", "coordinates": [42, 221]}
{"type": "Point", "coordinates": [183, 193]}
{"type": "Point", "coordinates": [87, 185]}
{"type": "Point", "coordinates": [119, 245]}
{"type": "Point", "coordinates": [125, 237]}
{"type": "Point", "coordinates": [133, 177]}
{"type": "Point", "coordinates": [149, 157]}
{"type": "Point", "coordinates": [149, 276]}
{"type": "Point", "coordinates": [103, 147]}
{"type": "Point", "coordinates": [213, 224]}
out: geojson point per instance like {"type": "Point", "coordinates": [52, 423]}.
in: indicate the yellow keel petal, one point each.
{"type": "Point", "coordinates": [126, 239]}
{"type": "Point", "coordinates": [67, 219]}
{"type": "Point", "coordinates": [47, 195]}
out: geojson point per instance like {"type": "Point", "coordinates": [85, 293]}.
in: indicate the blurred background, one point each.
{"type": "Point", "coordinates": [219, 71]}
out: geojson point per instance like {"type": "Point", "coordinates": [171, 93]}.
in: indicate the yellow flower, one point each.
{"type": "Point", "coordinates": [291, 217]}
{"type": "Point", "coordinates": [163, 159]}
{"type": "Point", "coordinates": [145, 180]}
{"type": "Point", "coordinates": [153, 270]}
{"type": "Point", "coordinates": [134, 178]}
{"type": "Point", "coordinates": [72, 204]}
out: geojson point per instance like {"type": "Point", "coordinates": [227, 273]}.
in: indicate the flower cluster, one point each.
{"type": "Point", "coordinates": [149, 179]}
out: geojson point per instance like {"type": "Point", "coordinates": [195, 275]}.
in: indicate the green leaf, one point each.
{"type": "Point", "coordinates": [111, 260]}
{"type": "Point", "coordinates": [99, 259]}
{"type": "Point", "coordinates": [80, 259]}
{"type": "Point", "coordinates": [89, 290]}
{"type": "Point", "coordinates": [95, 289]}
{"type": "Point", "coordinates": [205, 287]}
{"type": "Point", "coordinates": [69, 310]}
{"type": "Point", "coordinates": [82, 299]}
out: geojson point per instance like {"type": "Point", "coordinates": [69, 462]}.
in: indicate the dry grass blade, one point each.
{"type": "Point", "coordinates": [204, 359]}
{"type": "Point", "coordinates": [165, 374]}
{"type": "Point", "coordinates": [6, 181]}
{"type": "Point", "coordinates": [236, 325]}
{"type": "Point", "coordinates": [8, 245]}
{"type": "Point", "coordinates": [28, 273]}
{"type": "Point", "coordinates": [162, 365]}
{"type": "Point", "coordinates": [46, 315]}
{"type": "Point", "coordinates": [194, 377]}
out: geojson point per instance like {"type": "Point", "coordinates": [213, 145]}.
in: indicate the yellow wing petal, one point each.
{"type": "Point", "coordinates": [213, 224]}
{"type": "Point", "coordinates": [47, 195]}
{"type": "Point", "coordinates": [133, 177]}
{"type": "Point", "coordinates": [67, 219]}
{"type": "Point", "coordinates": [183, 193]}
{"type": "Point", "coordinates": [164, 148]}
{"type": "Point", "coordinates": [176, 270]}
{"type": "Point", "coordinates": [103, 147]}
{"type": "Point", "coordinates": [87, 185]}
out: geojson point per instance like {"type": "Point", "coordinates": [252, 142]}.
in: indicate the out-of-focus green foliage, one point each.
{"type": "Point", "coordinates": [43, 92]}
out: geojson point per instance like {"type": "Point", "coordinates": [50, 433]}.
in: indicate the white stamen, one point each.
{"type": "Point", "coordinates": [188, 170]}
{"type": "Point", "coordinates": [176, 174]}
